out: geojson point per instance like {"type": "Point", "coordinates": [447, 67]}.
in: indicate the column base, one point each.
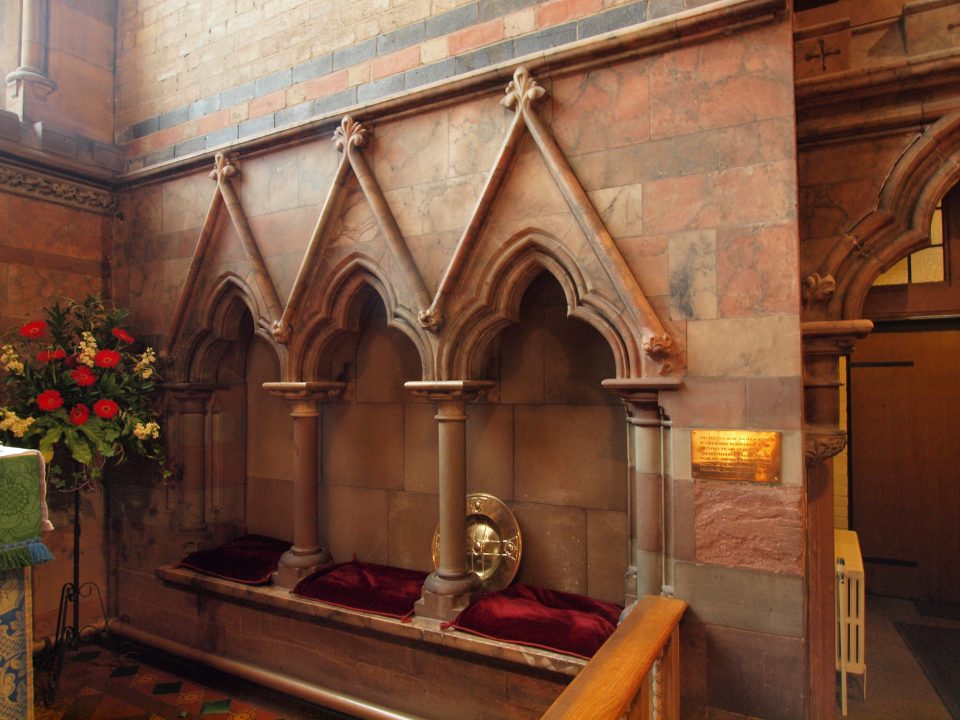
{"type": "Point", "coordinates": [295, 566]}
{"type": "Point", "coordinates": [444, 598]}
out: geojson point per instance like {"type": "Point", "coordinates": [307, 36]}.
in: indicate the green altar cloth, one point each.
{"type": "Point", "coordinates": [23, 515]}
{"type": "Point", "coordinates": [23, 509]}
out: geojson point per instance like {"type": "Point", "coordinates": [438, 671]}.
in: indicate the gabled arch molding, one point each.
{"type": "Point", "coordinates": [466, 343]}
{"type": "Point", "coordinates": [196, 357]}
{"type": "Point", "coordinates": [641, 321]}
{"type": "Point", "coordinates": [338, 312]}
{"type": "Point", "coordinates": [348, 138]}
{"type": "Point", "coordinates": [268, 305]}
{"type": "Point", "coordinates": [899, 225]}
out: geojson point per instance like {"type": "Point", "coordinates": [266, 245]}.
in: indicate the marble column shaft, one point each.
{"type": "Point", "coordinates": [452, 586]}
{"type": "Point", "coordinates": [307, 553]}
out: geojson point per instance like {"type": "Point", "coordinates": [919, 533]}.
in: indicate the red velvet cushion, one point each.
{"type": "Point", "coordinates": [549, 619]}
{"type": "Point", "coordinates": [250, 559]}
{"type": "Point", "coordinates": [365, 586]}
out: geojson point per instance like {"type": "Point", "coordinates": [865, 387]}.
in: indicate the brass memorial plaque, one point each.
{"type": "Point", "coordinates": [736, 455]}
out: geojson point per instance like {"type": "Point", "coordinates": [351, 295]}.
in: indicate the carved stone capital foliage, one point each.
{"type": "Point", "coordinates": [350, 134]}
{"type": "Point", "coordinates": [430, 319]}
{"type": "Point", "coordinates": [224, 167]}
{"type": "Point", "coordinates": [659, 348]}
{"type": "Point", "coordinates": [522, 91]}
{"type": "Point", "coordinates": [44, 187]}
{"type": "Point", "coordinates": [818, 289]}
{"type": "Point", "coordinates": [822, 442]}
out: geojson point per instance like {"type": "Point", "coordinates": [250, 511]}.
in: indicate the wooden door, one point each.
{"type": "Point", "coordinates": [905, 460]}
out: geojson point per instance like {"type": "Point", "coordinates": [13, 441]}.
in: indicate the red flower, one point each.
{"type": "Point", "coordinates": [48, 355]}
{"type": "Point", "coordinates": [106, 358]}
{"type": "Point", "coordinates": [106, 408]}
{"type": "Point", "coordinates": [49, 400]}
{"type": "Point", "coordinates": [34, 329]}
{"type": "Point", "coordinates": [83, 376]}
{"type": "Point", "coordinates": [122, 335]}
{"type": "Point", "coordinates": [79, 414]}
{"type": "Point", "coordinates": [71, 361]}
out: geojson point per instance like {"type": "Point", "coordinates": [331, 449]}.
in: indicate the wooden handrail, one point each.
{"type": "Point", "coordinates": [616, 682]}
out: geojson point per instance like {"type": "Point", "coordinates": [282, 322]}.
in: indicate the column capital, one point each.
{"type": "Point", "coordinates": [191, 397]}
{"type": "Point", "coordinates": [450, 390]}
{"type": "Point", "coordinates": [641, 395]}
{"type": "Point", "coordinates": [316, 390]}
{"type": "Point", "coordinates": [821, 442]}
{"type": "Point", "coordinates": [833, 337]}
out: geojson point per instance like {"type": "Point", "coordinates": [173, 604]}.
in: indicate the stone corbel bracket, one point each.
{"type": "Point", "coordinates": [224, 169]}
{"type": "Point", "coordinates": [521, 95]}
{"type": "Point", "coordinates": [821, 442]}
{"type": "Point", "coordinates": [349, 137]}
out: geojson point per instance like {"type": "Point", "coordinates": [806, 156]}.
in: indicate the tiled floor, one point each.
{"type": "Point", "coordinates": [897, 688]}
{"type": "Point", "coordinates": [127, 682]}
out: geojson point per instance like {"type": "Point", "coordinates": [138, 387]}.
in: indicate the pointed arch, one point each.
{"type": "Point", "coordinates": [900, 223]}
{"type": "Point", "coordinates": [227, 308]}
{"type": "Point", "coordinates": [338, 313]}
{"type": "Point", "coordinates": [505, 279]}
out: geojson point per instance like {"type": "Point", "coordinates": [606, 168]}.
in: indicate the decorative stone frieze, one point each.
{"type": "Point", "coordinates": [33, 184]}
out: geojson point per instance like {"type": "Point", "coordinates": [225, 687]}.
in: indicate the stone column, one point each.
{"type": "Point", "coordinates": [191, 404]}
{"type": "Point", "coordinates": [307, 554]}
{"type": "Point", "coordinates": [648, 483]}
{"type": "Point", "coordinates": [823, 344]}
{"type": "Point", "coordinates": [451, 587]}
{"type": "Point", "coordinates": [32, 71]}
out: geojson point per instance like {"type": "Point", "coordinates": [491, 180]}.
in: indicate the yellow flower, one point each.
{"type": "Point", "coordinates": [87, 350]}
{"type": "Point", "coordinates": [10, 361]}
{"type": "Point", "coordinates": [17, 425]}
{"type": "Point", "coordinates": [150, 430]}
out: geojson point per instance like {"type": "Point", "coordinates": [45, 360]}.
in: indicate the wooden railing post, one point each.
{"type": "Point", "coordinates": [619, 681]}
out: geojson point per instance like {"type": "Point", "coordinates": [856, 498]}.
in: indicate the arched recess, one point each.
{"type": "Point", "coordinates": [227, 316]}
{"type": "Point", "coordinates": [504, 281]}
{"type": "Point", "coordinates": [899, 225]}
{"type": "Point", "coordinates": [313, 352]}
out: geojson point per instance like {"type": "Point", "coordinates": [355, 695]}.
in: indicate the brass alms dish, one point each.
{"type": "Point", "coordinates": [493, 542]}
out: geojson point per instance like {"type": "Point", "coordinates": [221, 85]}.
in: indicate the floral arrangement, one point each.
{"type": "Point", "coordinates": [71, 385]}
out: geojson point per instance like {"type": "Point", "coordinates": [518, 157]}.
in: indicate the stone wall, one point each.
{"type": "Point", "coordinates": [699, 194]}
{"type": "Point", "coordinates": [49, 251]}
{"type": "Point", "coordinates": [199, 76]}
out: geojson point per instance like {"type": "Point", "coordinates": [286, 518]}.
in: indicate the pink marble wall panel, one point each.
{"type": "Point", "coordinates": [749, 525]}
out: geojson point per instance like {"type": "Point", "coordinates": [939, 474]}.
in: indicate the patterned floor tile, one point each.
{"type": "Point", "coordinates": [215, 706]}
{"type": "Point", "coordinates": [166, 688]}
{"type": "Point", "coordinates": [125, 671]}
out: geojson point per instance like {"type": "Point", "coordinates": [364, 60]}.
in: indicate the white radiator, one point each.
{"type": "Point", "coordinates": [850, 611]}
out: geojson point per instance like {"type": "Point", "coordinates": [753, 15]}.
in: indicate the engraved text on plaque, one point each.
{"type": "Point", "coordinates": [736, 455]}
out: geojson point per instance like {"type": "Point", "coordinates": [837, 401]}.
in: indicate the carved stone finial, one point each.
{"type": "Point", "coordinates": [431, 319]}
{"type": "Point", "coordinates": [522, 90]}
{"type": "Point", "coordinates": [659, 348]}
{"type": "Point", "coordinates": [350, 133]}
{"type": "Point", "coordinates": [818, 289]}
{"type": "Point", "coordinates": [224, 167]}
{"type": "Point", "coordinates": [281, 333]}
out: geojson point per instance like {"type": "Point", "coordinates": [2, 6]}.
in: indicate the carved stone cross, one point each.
{"type": "Point", "coordinates": [822, 54]}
